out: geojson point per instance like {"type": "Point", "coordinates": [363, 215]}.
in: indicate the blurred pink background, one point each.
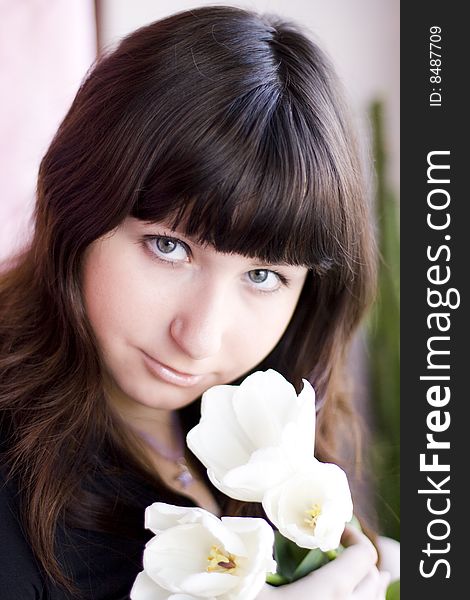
{"type": "Point", "coordinates": [46, 47]}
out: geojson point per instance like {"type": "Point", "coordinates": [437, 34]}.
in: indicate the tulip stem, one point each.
{"type": "Point", "coordinates": [276, 579]}
{"type": "Point", "coordinates": [294, 562]}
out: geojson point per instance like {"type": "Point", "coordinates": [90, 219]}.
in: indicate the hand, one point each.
{"type": "Point", "coordinates": [351, 576]}
{"type": "Point", "coordinates": [389, 550]}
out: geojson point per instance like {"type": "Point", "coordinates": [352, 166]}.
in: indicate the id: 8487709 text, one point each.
{"type": "Point", "coordinates": [435, 65]}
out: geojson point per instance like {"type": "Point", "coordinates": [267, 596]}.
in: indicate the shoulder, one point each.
{"type": "Point", "coordinates": [101, 566]}
{"type": "Point", "coordinates": [19, 574]}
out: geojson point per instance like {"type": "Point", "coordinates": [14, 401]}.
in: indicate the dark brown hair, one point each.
{"type": "Point", "coordinates": [231, 126]}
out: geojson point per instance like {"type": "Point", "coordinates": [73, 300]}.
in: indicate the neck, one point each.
{"type": "Point", "coordinates": [161, 431]}
{"type": "Point", "coordinates": [157, 423]}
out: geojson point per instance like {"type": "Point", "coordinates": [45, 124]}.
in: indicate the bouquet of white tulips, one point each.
{"type": "Point", "coordinates": [257, 442]}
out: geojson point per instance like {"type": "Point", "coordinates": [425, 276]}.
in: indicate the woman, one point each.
{"type": "Point", "coordinates": [200, 215]}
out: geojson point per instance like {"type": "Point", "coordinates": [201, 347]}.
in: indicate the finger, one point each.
{"type": "Point", "coordinates": [348, 570]}
{"type": "Point", "coordinates": [370, 587]}
{"type": "Point", "coordinates": [342, 575]}
{"type": "Point", "coordinates": [351, 536]}
{"type": "Point", "coordinates": [354, 563]}
{"type": "Point", "coordinates": [385, 578]}
{"type": "Point", "coordinates": [389, 550]}
{"type": "Point", "coordinates": [359, 554]}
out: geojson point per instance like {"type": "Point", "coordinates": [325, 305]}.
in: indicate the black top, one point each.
{"type": "Point", "coordinates": [103, 566]}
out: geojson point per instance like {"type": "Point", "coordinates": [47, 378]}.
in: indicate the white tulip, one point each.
{"type": "Point", "coordinates": [145, 588]}
{"type": "Point", "coordinates": [196, 555]}
{"type": "Point", "coordinates": [253, 436]}
{"type": "Point", "coordinates": [312, 507]}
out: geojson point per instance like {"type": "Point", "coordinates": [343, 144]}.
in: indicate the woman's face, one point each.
{"type": "Point", "coordinates": [173, 318]}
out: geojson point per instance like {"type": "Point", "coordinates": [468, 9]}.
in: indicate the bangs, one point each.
{"type": "Point", "coordinates": [265, 190]}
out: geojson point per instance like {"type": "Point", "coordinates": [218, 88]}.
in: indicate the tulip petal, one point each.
{"type": "Point", "coordinates": [206, 585]}
{"type": "Point", "coordinates": [248, 526]}
{"type": "Point", "coordinates": [297, 446]}
{"type": "Point", "coordinates": [186, 597]}
{"type": "Point", "coordinates": [145, 588]}
{"type": "Point", "coordinates": [223, 535]}
{"type": "Point", "coordinates": [174, 554]}
{"type": "Point", "coordinates": [217, 440]}
{"type": "Point", "coordinates": [266, 398]}
{"type": "Point", "coordinates": [244, 495]}
{"type": "Point", "coordinates": [306, 416]}
{"type": "Point", "coordinates": [267, 467]}
{"type": "Point", "coordinates": [258, 537]}
{"type": "Point", "coordinates": [160, 516]}
{"type": "Point", "coordinates": [252, 586]}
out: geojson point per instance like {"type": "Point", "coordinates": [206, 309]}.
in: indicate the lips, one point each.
{"type": "Point", "coordinates": [170, 375]}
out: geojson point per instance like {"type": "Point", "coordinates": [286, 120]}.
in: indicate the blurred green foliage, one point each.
{"type": "Point", "coordinates": [384, 343]}
{"type": "Point", "coordinates": [393, 591]}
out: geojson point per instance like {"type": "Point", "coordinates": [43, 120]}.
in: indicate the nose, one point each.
{"type": "Point", "coordinates": [199, 325]}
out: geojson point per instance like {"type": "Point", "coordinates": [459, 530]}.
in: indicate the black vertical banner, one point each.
{"type": "Point", "coordinates": [435, 242]}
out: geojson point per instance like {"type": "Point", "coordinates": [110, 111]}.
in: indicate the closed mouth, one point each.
{"type": "Point", "coordinates": [169, 374]}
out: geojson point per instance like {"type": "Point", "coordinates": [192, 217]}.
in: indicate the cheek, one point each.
{"type": "Point", "coordinates": [127, 303]}
{"type": "Point", "coordinates": [263, 328]}
{"type": "Point", "coordinates": [116, 298]}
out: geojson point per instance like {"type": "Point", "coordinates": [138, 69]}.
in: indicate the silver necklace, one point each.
{"type": "Point", "coordinates": [184, 477]}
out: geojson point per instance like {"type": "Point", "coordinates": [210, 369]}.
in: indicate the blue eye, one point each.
{"type": "Point", "coordinates": [168, 249]}
{"type": "Point", "coordinates": [265, 279]}
{"type": "Point", "coordinates": [258, 275]}
{"type": "Point", "coordinates": [166, 245]}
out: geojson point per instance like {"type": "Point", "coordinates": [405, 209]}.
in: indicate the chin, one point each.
{"type": "Point", "coordinates": [166, 397]}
